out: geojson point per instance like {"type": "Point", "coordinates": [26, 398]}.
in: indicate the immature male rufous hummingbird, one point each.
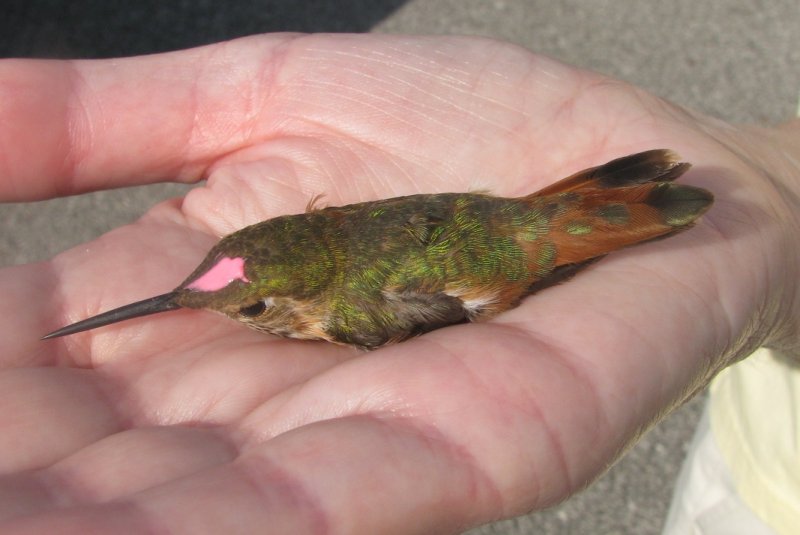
{"type": "Point", "coordinates": [374, 273]}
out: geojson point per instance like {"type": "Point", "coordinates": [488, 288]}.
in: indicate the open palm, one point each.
{"type": "Point", "coordinates": [187, 421]}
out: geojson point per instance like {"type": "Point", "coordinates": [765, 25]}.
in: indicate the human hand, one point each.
{"type": "Point", "coordinates": [188, 422]}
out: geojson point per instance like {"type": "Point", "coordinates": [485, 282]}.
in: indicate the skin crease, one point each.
{"type": "Point", "coordinates": [187, 422]}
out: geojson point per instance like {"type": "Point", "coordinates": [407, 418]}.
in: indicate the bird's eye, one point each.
{"type": "Point", "coordinates": [253, 310]}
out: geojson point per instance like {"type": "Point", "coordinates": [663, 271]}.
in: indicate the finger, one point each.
{"type": "Point", "coordinates": [109, 123]}
{"type": "Point", "coordinates": [27, 296]}
{"type": "Point", "coordinates": [73, 126]}
{"type": "Point", "coordinates": [48, 413]}
{"type": "Point", "coordinates": [134, 262]}
{"type": "Point", "coordinates": [137, 459]}
{"type": "Point", "coordinates": [352, 475]}
{"type": "Point", "coordinates": [118, 465]}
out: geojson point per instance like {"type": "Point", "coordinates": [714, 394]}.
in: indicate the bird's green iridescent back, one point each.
{"type": "Point", "coordinates": [415, 263]}
{"type": "Point", "coordinates": [379, 272]}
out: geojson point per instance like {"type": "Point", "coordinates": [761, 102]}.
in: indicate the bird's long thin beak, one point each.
{"type": "Point", "coordinates": [159, 303]}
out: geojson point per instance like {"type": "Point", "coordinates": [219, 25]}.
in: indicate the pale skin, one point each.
{"type": "Point", "coordinates": [186, 421]}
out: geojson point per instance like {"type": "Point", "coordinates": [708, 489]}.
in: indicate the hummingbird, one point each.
{"type": "Point", "coordinates": [380, 272]}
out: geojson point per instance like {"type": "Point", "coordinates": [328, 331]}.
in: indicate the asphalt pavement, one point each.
{"type": "Point", "coordinates": [732, 59]}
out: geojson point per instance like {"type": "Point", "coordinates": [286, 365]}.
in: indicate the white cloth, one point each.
{"type": "Point", "coordinates": [705, 501]}
{"type": "Point", "coordinates": [742, 474]}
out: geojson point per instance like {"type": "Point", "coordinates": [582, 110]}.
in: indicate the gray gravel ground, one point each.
{"type": "Point", "coordinates": [736, 60]}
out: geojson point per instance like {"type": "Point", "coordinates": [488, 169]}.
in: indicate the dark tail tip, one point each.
{"type": "Point", "coordinates": [679, 205]}
{"type": "Point", "coordinates": [658, 165]}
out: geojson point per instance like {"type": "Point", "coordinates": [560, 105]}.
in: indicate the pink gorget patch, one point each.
{"type": "Point", "coordinates": [224, 272]}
